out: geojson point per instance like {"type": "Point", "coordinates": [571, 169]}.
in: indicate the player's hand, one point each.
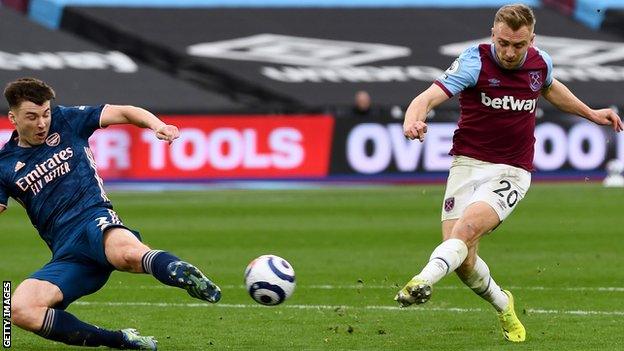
{"type": "Point", "coordinates": [167, 133]}
{"type": "Point", "coordinates": [606, 117]}
{"type": "Point", "coordinates": [415, 130]}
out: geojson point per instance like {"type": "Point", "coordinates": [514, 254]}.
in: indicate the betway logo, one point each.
{"type": "Point", "coordinates": [508, 102]}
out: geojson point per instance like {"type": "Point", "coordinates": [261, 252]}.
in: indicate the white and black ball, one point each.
{"type": "Point", "coordinates": [270, 279]}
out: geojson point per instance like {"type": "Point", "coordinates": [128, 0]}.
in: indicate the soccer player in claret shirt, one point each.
{"type": "Point", "coordinates": [498, 84]}
{"type": "Point", "coordinates": [47, 167]}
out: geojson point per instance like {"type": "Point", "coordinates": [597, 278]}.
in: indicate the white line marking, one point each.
{"type": "Point", "coordinates": [577, 312]}
{"type": "Point", "coordinates": [392, 287]}
{"type": "Point", "coordinates": [338, 307]}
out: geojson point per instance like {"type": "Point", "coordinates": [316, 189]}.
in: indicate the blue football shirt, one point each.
{"type": "Point", "coordinates": [56, 181]}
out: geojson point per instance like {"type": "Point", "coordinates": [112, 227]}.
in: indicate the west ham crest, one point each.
{"type": "Point", "coordinates": [449, 204]}
{"type": "Point", "coordinates": [535, 80]}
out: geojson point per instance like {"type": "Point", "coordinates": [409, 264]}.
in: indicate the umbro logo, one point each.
{"type": "Point", "coordinates": [298, 51]}
{"type": "Point", "coordinates": [19, 165]}
{"type": "Point", "coordinates": [494, 82]}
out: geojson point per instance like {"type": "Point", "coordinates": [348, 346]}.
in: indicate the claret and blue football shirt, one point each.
{"type": "Point", "coordinates": [497, 105]}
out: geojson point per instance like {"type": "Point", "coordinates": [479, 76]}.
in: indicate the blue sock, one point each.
{"type": "Point", "coordinates": [62, 326]}
{"type": "Point", "coordinates": [155, 262]}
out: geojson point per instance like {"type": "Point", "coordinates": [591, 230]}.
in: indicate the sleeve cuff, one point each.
{"type": "Point", "coordinates": [101, 113]}
{"type": "Point", "coordinates": [446, 91]}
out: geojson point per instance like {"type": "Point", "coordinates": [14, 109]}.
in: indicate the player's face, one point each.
{"type": "Point", "coordinates": [32, 122]}
{"type": "Point", "coordinates": [511, 46]}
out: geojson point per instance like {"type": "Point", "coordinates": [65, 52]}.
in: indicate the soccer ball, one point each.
{"type": "Point", "coordinates": [270, 279]}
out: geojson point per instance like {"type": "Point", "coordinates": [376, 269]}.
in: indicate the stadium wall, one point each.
{"type": "Point", "coordinates": [50, 12]}
{"type": "Point", "coordinates": [314, 60]}
{"type": "Point", "coordinates": [324, 148]}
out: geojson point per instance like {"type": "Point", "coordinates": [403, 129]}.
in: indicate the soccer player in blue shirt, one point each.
{"type": "Point", "coordinates": [48, 168]}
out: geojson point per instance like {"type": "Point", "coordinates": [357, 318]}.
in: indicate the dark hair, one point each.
{"type": "Point", "coordinates": [28, 89]}
{"type": "Point", "coordinates": [515, 16]}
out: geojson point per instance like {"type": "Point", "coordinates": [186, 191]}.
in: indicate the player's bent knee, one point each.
{"type": "Point", "coordinates": [23, 317]}
{"type": "Point", "coordinates": [26, 314]}
{"type": "Point", "coordinates": [30, 301]}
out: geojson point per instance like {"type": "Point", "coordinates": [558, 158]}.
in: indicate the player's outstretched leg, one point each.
{"type": "Point", "coordinates": [64, 327]}
{"type": "Point", "coordinates": [172, 271]}
{"type": "Point", "coordinates": [444, 260]}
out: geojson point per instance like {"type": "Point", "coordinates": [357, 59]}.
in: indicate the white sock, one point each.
{"type": "Point", "coordinates": [444, 260]}
{"type": "Point", "coordinates": [483, 285]}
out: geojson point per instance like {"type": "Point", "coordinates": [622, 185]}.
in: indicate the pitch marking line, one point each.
{"type": "Point", "coordinates": [364, 287]}
{"type": "Point", "coordinates": [337, 307]}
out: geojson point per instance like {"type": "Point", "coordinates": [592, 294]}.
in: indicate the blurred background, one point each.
{"type": "Point", "coordinates": [300, 90]}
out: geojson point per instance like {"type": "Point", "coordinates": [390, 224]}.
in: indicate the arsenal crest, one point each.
{"type": "Point", "coordinates": [53, 139]}
{"type": "Point", "coordinates": [535, 80]}
{"type": "Point", "coordinates": [449, 204]}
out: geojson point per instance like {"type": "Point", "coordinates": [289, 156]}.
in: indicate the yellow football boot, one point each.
{"type": "Point", "coordinates": [416, 291]}
{"type": "Point", "coordinates": [513, 330]}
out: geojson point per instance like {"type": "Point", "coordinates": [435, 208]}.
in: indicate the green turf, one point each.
{"type": "Point", "coordinates": [351, 249]}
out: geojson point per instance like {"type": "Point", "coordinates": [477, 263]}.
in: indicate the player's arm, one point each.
{"type": "Point", "coordinates": [124, 114]}
{"type": "Point", "coordinates": [561, 97]}
{"type": "Point", "coordinates": [463, 73]}
{"type": "Point", "coordinates": [2, 208]}
{"type": "Point", "coordinates": [414, 126]}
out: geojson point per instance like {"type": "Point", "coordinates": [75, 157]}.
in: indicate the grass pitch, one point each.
{"type": "Point", "coordinates": [560, 253]}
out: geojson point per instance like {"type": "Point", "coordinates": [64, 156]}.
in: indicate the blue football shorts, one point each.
{"type": "Point", "coordinates": [79, 267]}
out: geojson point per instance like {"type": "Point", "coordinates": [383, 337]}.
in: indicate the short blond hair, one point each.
{"type": "Point", "coordinates": [515, 16]}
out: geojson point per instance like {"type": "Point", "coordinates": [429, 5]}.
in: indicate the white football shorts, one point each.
{"type": "Point", "coordinates": [501, 186]}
